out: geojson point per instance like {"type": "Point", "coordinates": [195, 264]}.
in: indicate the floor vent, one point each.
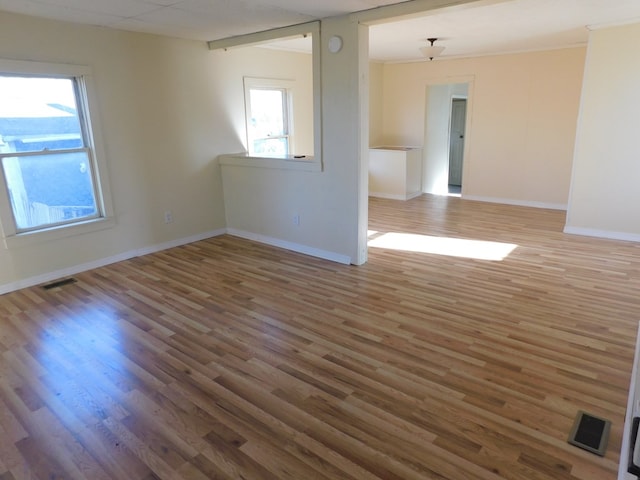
{"type": "Point", "coordinates": [590, 433]}
{"type": "Point", "coordinates": [59, 283]}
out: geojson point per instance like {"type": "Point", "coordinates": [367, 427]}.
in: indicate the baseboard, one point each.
{"type": "Point", "coordinates": [391, 196]}
{"type": "Point", "coordinates": [388, 196]}
{"type": "Point", "coordinates": [179, 242]}
{"type": "Point", "coordinates": [589, 232]}
{"type": "Point", "coordinates": [295, 247]}
{"type": "Point", "coordinates": [66, 272]}
{"type": "Point", "coordinates": [519, 203]}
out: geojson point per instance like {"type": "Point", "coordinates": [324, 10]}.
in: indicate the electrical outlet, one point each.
{"type": "Point", "coordinates": [296, 220]}
{"type": "Point", "coordinates": [168, 216]}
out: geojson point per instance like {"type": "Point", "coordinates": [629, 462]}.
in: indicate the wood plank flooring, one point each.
{"type": "Point", "coordinates": [226, 359]}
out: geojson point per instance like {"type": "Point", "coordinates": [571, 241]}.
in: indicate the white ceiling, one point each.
{"type": "Point", "coordinates": [505, 26]}
{"type": "Point", "coordinates": [193, 19]}
{"type": "Point", "coordinates": [511, 26]}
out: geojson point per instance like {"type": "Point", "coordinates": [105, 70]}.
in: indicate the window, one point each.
{"type": "Point", "coordinates": [268, 116]}
{"type": "Point", "coordinates": [49, 170]}
{"type": "Point", "coordinates": [301, 116]}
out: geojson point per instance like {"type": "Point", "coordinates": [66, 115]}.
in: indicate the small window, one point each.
{"type": "Point", "coordinates": [268, 117]}
{"type": "Point", "coordinates": [48, 163]}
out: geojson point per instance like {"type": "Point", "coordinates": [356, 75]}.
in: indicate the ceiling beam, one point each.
{"type": "Point", "coordinates": [265, 36]}
{"type": "Point", "coordinates": [415, 8]}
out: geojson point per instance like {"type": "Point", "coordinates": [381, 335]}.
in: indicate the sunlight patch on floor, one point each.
{"type": "Point", "coordinates": [454, 247]}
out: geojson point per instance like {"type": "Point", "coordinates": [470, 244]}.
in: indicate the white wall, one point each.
{"type": "Point", "coordinates": [376, 104]}
{"type": "Point", "coordinates": [163, 125]}
{"type": "Point", "coordinates": [605, 198]}
{"type": "Point", "coordinates": [262, 202]}
{"type": "Point", "coordinates": [168, 109]}
{"type": "Point", "coordinates": [523, 120]}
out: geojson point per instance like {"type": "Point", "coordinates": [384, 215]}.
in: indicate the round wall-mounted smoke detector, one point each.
{"type": "Point", "coordinates": [335, 44]}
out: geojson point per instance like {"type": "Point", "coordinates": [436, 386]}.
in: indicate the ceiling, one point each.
{"type": "Point", "coordinates": [511, 26]}
{"type": "Point", "coordinates": [499, 27]}
{"type": "Point", "coordinates": [193, 19]}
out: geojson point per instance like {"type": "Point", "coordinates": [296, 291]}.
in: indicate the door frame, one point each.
{"type": "Point", "coordinates": [435, 166]}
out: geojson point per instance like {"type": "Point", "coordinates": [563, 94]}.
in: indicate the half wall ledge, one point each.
{"type": "Point", "coordinates": [288, 162]}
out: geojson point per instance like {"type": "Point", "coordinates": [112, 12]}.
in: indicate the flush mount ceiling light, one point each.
{"type": "Point", "coordinates": [431, 51]}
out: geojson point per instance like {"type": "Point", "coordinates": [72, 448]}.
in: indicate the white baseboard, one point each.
{"type": "Point", "coordinates": [295, 247]}
{"type": "Point", "coordinates": [388, 196]}
{"type": "Point", "coordinates": [391, 196]}
{"type": "Point", "coordinates": [50, 276]}
{"type": "Point", "coordinates": [179, 242]}
{"type": "Point", "coordinates": [519, 203]}
{"type": "Point", "coordinates": [589, 232]}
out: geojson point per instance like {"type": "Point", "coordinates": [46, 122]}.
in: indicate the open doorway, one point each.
{"type": "Point", "coordinates": [444, 138]}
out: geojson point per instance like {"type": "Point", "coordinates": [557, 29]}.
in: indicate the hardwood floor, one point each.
{"type": "Point", "coordinates": [228, 359]}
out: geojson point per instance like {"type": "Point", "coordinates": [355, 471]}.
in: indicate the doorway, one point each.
{"type": "Point", "coordinates": [444, 137]}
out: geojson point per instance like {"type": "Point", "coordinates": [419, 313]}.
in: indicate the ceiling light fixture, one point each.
{"type": "Point", "coordinates": [431, 51]}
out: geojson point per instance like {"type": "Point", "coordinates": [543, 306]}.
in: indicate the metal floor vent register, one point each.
{"type": "Point", "coordinates": [590, 433]}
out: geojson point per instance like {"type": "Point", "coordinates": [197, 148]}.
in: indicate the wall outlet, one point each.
{"type": "Point", "coordinates": [296, 220]}
{"type": "Point", "coordinates": [168, 216]}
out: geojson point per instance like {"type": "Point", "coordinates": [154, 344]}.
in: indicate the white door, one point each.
{"type": "Point", "coordinates": [456, 140]}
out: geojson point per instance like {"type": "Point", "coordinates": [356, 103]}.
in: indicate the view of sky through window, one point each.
{"type": "Point", "coordinates": [45, 161]}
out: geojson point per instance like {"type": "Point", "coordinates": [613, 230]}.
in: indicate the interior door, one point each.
{"type": "Point", "coordinates": [456, 140]}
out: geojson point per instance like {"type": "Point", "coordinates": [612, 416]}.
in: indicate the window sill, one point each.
{"type": "Point", "coordinates": [56, 233]}
{"type": "Point", "coordinates": [286, 162]}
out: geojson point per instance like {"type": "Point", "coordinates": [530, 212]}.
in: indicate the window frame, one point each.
{"type": "Point", "coordinates": [286, 86]}
{"type": "Point", "coordinates": [90, 127]}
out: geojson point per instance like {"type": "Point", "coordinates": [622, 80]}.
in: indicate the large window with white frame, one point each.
{"type": "Point", "coordinates": [49, 171]}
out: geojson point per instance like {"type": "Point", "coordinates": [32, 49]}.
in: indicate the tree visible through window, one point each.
{"type": "Point", "coordinates": [47, 159]}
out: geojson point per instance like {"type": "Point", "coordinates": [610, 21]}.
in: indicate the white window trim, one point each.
{"type": "Point", "coordinates": [94, 139]}
{"type": "Point", "coordinates": [276, 84]}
